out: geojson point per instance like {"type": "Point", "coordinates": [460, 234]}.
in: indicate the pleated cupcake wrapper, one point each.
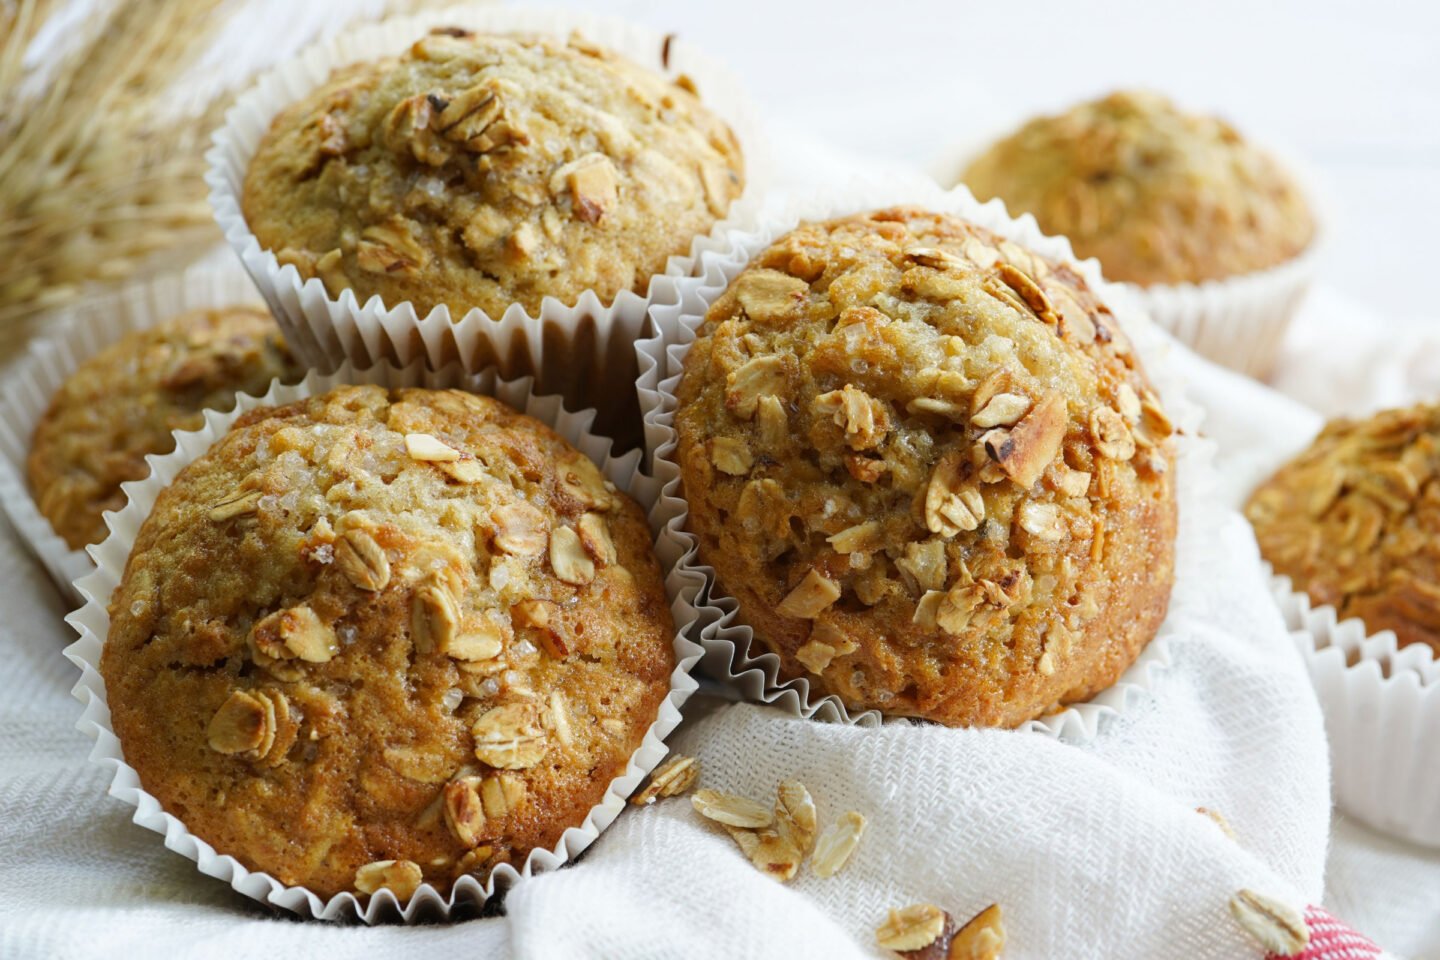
{"type": "Point", "coordinates": [92, 622]}
{"type": "Point", "coordinates": [731, 653]}
{"type": "Point", "coordinates": [1382, 716]}
{"type": "Point", "coordinates": [577, 349]}
{"type": "Point", "coordinates": [1238, 322]}
{"type": "Point", "coordinates": [74, 335]}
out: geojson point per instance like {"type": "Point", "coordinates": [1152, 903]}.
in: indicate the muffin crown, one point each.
{"type": "Point", "coordinates": [927, 463]}
{"type": "Point", "coordinates": [1353, 521]}
{"type": "Point", "coordinates": [374, 638]}
{"type": "Point", "coordinates": [485, 170]}
{"type": "Point", "coordinates": [1157, 195]}
{"type": "Point", "coordinates": [123, 404]}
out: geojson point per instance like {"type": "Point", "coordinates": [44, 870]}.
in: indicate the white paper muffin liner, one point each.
{"type": "Point", "coordinates": [1238, 322]}
{"type": "Point", "coordinates": [1382, 716]}
{"type": "Point", "coordinates": [73, 335]}
{"type": "Point", "coordinates": [728, 643]}
{"type": "Point", "coordinates": [92, 622]}
{"type": "Point", "coordinates": [599, 339]}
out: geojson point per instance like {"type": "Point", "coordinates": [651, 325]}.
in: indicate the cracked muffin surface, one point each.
{"type": "Point", "coordinates": [930, 469]}
{"type": "Point", "coordinates": [1158, 196]}
{"type": "Point", "coordinates": [123, 403]}
{"type": "Point", "coordinates": [485, 170]}
{"type": "Point", "coordinates": [376, 638]}
{"type": "Point", "coordinates": [1354, 521]}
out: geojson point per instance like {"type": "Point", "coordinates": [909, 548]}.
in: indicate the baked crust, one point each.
{"type": "Point", "coordinates": [481, 171]}
{"type": "Point", "coordinates": [332, 647]}
{"type": "Point", "coordinates": [930, 469]}
{"type": "Point", "coordinates": [1158, 196]}
{"type": "Point", "coordinates": [1354, 521]}
{"type": "Point", "coordinates": [122, 405]}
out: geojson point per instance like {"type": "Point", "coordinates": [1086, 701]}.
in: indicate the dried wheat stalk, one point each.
{"type": "Point", "coordinates": [95, 177]}
{"type": "Point", "coordinates": [100, 176]}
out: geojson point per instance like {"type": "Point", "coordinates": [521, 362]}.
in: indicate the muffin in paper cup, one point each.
{"type": "Point", "coordinates": [571, 348]}
{"type": "Point", "coordinates": [1382, 716]}
{"type": "Point", "coordinates": [73, 335]}
{"type": "Point", "coordinates": [1238, 321]}
{"type": "Point", "coordinates": [92, 623]}
{"type": "Point", "coordinates": [727, 642]}
{"type": "Point", "coordinates": [1346, 525]}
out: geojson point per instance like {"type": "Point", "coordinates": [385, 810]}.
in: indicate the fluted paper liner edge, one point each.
{"type": "Point", "coordinates": [92, 623]}
{"type": "Point", "coordinates": [326, 330]}
{"type": "Point", "coordinates": [1381, 703]}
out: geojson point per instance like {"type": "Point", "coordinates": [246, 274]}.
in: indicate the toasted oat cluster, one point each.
{"type": "Point", "coordinates": [1157, 195]}
{"type": "Point", "coordinates": [930, 469]}
{"type": "Point", "coordinates": [1354, 521]}
{"type": "Point", "coordinates": [373, 639]}
{"type": "Point", "coordinates": [480, 171]}
{"type": "Point", "coordinates": [923, 931]}
{"type": "Point", "coordinates": [123, 404]}
{"type": "Point", "coordinates": [778, 838]}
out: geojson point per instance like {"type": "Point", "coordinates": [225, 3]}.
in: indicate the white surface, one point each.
{"type": "Point", "coordinates": [1079, 843]}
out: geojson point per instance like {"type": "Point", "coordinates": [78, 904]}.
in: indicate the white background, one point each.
{"type": "Point", "coordinates": [1352, 88]}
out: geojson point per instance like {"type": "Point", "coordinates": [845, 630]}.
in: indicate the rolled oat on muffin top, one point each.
{"type": "Point", "coordinates": [377, 638]}
{"type": "Point", "coordinates": [1354, 521]}
{"type": "Point", "coordinates": [1158, 196]}
{"type": "Point", "coordinates": [930, 469]}
{"type": "Point", "coordinates": [123, 404]}
{"type": "Point", "coordinates": [491, 169]}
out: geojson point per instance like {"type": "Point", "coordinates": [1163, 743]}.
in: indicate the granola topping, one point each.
{"type": "Point", "coordinates": [1152, 192]}
{"type": "Point", "coordinates": [375, 686]}
{"type": "Point", "coordinates": [491, 169]}
{"type": "Point", "coordinates": [885, 425]}
{"type": "Point", "coordinates": [1350, 521]}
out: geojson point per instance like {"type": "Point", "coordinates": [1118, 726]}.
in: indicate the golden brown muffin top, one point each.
{"type": "Point", "coordinates": [1157, 195]}
{"type": "Point", "coordinates": [414, 629]}
{"type": "Point", "coordinates": [480, 171]}
{"type": "Point", "coordinates": [1354, 521]}
{"type": "Point", "coordinates": [929, 467]}
{"type": "Point", "coordinates": [123, 403]}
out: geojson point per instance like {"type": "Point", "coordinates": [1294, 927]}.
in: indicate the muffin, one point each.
{"type": "Point", "coordinates": [377, 638]}
{"type": "Point", "coordinates": [485, 170]}
{"type": "Point", "coordinates": [1157, 195]}
{"type": "Point", "coordinates": [122, 405]}
{"type": "Point", "coordinates": [930, 469]}
{"type": "Point", "coordinates": [1354, 522]}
